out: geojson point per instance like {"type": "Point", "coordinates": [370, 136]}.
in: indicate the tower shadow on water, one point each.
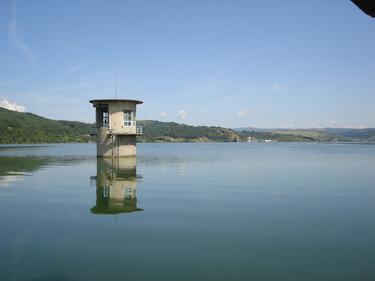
{"type": "Point", "coordinates": [116, 186]}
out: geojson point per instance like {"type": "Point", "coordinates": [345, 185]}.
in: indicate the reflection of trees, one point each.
{"type": "Point", "coordinates": [15, 168]}
{"type": "Point", "coordinates": [17, 165]}
{"type": "Point", "coordinates": [116, 183]}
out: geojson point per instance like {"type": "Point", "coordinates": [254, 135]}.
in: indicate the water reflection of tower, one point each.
{"type": "Point", "coordinates": [116, 184]}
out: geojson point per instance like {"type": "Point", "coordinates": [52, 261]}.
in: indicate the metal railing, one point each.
{"type": "Point", "coordinates": [139, 130]}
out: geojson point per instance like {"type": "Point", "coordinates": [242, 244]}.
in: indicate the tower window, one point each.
{"type": "Point", "coordinates": [129, 119]}
{"type": "Point", "coordinates": [103, 116]}
{"type": "Point", "coordinates": [105, 119]}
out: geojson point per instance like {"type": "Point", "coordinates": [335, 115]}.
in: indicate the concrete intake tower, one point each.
{"type": "Point", "coordinates": [116, 127]}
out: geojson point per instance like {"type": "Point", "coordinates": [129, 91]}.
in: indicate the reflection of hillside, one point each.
{"type": "Point", "coordinates": [14, 168]}
{"type": "Point", "coordinates": [116, 184]}
{"type": "Point", "coordinates": [9, 165]}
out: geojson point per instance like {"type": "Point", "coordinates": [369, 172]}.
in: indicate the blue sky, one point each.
{"type": "Point", "coordinates": [227, 63]}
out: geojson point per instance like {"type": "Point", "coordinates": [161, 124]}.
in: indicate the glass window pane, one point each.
{"type": "Point", "coordinates": [128, 118]}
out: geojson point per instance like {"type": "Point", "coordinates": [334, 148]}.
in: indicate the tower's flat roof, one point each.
{"type": "Point", "coordinates": [98, 101]}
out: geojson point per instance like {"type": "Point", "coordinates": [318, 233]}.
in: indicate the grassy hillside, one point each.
{"type": "Point", "coordinates": [18, 127]}
{"type": "Point", "coordinates": [353, 134]}
{"type": "Point", "coordinates": [311, 135]}
{"type": "Point", "coordinates": [155, 131]}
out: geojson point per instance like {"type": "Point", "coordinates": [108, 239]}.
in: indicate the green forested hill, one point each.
{"type": "Point", "coordinates": [19, 127]}
{"type": "Point", "coordinates": [156, 131]}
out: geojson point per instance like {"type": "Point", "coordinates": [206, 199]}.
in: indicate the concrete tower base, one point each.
{"type": "Point", "coordinates": [109, 145]}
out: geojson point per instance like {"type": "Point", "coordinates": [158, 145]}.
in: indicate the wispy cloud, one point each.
{"type": "Point", "coordinates": [331, 124]}
{"type": "Point", "coordinates": [163, 114]}
{"type": "Point", "coordinates": [247, 111]}
{"type": "Point", "coordinates": [12, 106]}
{"type": "Point", "coordinates": [16, 38]}
{"type": "Point", "coordinates": [276, 88]}
{"type": "Point", "coordinates": [75, 67]}
{"type": "Point", "coordinates": [183, 114]}
{"type": "Point", "coordinates": [244, 112]}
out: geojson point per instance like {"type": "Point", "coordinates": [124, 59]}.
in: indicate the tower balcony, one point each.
{"type": "Point", "coordinates": [130, 131]}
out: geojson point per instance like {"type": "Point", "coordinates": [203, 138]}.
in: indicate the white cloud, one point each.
{"type": "Point", "coordinates": [12, 106]}
{"type": "Point", "coordinates": [163, 114]}
{"type": "Point", "coordinates": [16, 38]}
{"type": "Point", "coordinates": [182, 114]}
{"type": "Point", "coordinates": [243, 112]}
{"type": "Point", "coordinates": [331, 124]}
{"type": "Point", "coordinates": [276, 88]}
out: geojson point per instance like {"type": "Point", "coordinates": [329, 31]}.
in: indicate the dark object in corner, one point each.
{"type": "Point", "coordinates": [367, 6]}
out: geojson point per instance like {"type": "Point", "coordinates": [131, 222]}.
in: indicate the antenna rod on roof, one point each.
{"type": "Point", "coordinates": [115, 85]}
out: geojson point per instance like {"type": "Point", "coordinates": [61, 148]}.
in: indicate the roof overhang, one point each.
{"type": "Point", "coordinates": [103, 101]}
{"type": "Point", "coordinates": [367, 6]}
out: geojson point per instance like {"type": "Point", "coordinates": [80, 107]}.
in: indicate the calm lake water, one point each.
{"type": "Point", "coordinates": [188, 212]}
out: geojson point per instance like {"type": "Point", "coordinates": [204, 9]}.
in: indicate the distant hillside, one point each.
{"type": "Point", "coordinates": [353, 134]}
{"type": "Point", "coordinates": [311, 135]}
{"type": "Point", "coordinates": [19, 127]}
{"type": "Point", "coordinates": [156, 131]}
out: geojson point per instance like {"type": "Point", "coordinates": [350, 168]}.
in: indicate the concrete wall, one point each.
{"type": "Point", "coordinates": [127, 146]}
{"type": "Point", "coordinates": [103, 143]}
{"type": "Point", "coordinates": [115, 145]}
{"type": "Point", "coordinates": [116, 117]}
